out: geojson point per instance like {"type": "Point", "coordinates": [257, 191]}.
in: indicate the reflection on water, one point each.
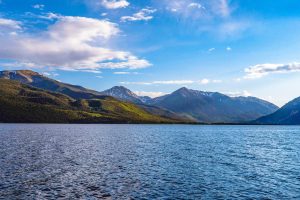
{"type": "Point", "coordinates": [149, 161]}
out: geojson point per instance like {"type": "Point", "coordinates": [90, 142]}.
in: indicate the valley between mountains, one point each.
{"type": "Point", "coordinates": [29, 97]}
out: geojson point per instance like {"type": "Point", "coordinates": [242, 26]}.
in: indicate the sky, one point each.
{"type": "Point", "coordinates": [153, 47]}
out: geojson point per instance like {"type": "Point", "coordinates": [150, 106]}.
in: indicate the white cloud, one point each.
{"type": "Point", "coordinates": [228, 49]}
{"type": "Point", "coordinates": [130, 62]}
{"type": "Point", "coordinates": [195, 5]}
{"type": "Point", "coordinates": [53, 74]}
{"type": "Point", "coordinates": [8, 24]}
{"type": "Point", "coordinates": [261, 70]}
{"type": "Point", "coordinates": [121, 73]}
{"type": "Point", "coordinates": [115, 4]}
{"type": "Point", "coordinates": [204, 81]}
{"type": "Point", "coordinates": [71, 43]}
{"type": "Point", "coordinates": [39, 6]}
{"type": "Point", "coordinates": [211, 49]}
{"type": "Point", "coordinates": [216, 81]}
{"type": "Point", "coordinates": [125, 73]}
{"type": "Point", "coordinates": [50, 16]}
{"type": "Point", "coordinates": [173, 82]}
{"type": "Point", "coordinates": [244, 93]}
{"type": "Point", "coordinates": [142, 15]}
{"type": "Point", "coordinates": [46, 74]}
{"type": "Point", "coordinates": [149, 94]}
{"type": "Point", "coordinates": [209, 9]}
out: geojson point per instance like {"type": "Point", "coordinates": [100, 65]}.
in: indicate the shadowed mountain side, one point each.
{"type": "Point", "coordinates": [289, 114]}
{"type": "Point", "coordinates": [213, 107]}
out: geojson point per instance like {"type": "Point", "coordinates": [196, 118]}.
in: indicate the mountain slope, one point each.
{"type": "Point", "coordinates": [37, 80]}
{"type": "Point", "coordinates": [287, 115]}
{"type": "Point", "coordinates": [23, 103]}
{"type": "Point", "coordinates": [215, 107]}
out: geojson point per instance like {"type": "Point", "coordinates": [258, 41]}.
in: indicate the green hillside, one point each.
{"type": "Point", "coordinates": [22, 103]}
{"type": "Point", "coordinates": [35, 79]}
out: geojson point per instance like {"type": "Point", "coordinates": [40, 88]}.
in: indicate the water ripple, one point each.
{"type": "Point", "coordinates": [149, 162]}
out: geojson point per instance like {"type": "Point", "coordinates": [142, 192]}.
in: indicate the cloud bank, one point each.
{"type": "Point", "coordinates": [8, 24]}
{"type": "Point", "coordinates": [71, 43]}
{"type": "Point", "coordinates": [261, 70]}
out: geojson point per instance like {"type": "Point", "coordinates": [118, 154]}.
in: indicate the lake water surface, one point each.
{"type": "Point", "coordinates": [149, 162]}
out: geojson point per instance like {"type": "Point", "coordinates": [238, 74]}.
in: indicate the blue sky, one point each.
{"type": "Point", "coordinates": [153, 47]}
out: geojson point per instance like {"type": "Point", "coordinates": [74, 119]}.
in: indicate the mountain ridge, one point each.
{"type": "Point", "coordinates": [214, 107]}
{"type": "Point", "coordinates": [184, 104]}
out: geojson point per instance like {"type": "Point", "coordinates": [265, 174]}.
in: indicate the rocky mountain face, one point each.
{"type": "Point", "coordinates": [124, 94]}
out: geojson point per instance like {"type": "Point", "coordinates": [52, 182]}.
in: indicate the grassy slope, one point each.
{"type": "Point", "coordinates": [21, 103]}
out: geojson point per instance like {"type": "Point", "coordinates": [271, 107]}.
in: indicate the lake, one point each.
{"type": "Point", "coordinates": [149, 162]}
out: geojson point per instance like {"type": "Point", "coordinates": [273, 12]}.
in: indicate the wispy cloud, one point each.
{"type": "Point", "coordinates": [194, 9]}
{"type": "Point", "coordinates": [261, 70]}
{"type": "Point", "coordinates": [71, 43]}
{"type": "Point", "coordinates": [173, 82]}
{"type": "Point", "coordinates": [222, 8]}
{"type": "Point", "coordinates": [149, 94]}
{"type": "Point", "coordinates": [195, 5]}
{"type": "Point", "coordinates": [244, 93]}
{"type": "Point", "coordinates": [206, 81]}
{"type": "Point", "coordinates": [142, 15]}
{"type": "Point", "coordinates": [115, 4]}
{"type": "Point", "coordinates": [51, 74]}
{"type": "Point", "coordinates": [49, 16]}
{"type": "Point", "coordinates": [125, 73]}
{"type": "Point", "coordinates": [39, 6]}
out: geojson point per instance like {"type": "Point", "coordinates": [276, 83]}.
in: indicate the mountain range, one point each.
{"type": "Point", "coordinates": [183, 105]}
{"type": "Point", "coordinates": [206, 107]}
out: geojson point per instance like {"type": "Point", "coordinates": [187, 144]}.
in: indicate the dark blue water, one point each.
{"type": "Point", "coordinates": [149, 162]}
